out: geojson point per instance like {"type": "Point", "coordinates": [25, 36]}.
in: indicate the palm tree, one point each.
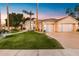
{"type": "Point", "coordinates": [37, 24]}
{"type": "Point", "coordinates": [30, 15]}
{"type": "Point", "coordinates": [69, 12]}
{"type": "Point", "coordinates": [0, 21]}
{"type": "Point", "coordinates": [77, 11]}
{"type": "Point", "coordinates": [7, 17]}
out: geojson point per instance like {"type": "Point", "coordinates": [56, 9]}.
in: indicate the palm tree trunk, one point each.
{"type": "Point", "coordinates": [78, 15]}
{"type": "Point", "coordinates": [8, 18]}
{"type": "Point", "coordinates": [0, 21]}
{"type": "Point", "coordinates": [37, 25]}
{"type": "Point", "coordinates": [30, 22]}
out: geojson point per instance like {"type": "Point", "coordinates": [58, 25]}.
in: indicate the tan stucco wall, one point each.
{"type": "Point", "coordinates": [47, 23]}
{"type": "Point", "coordinates": [68, 20]}
{"type": "Point", "coordinates": [75, 26]}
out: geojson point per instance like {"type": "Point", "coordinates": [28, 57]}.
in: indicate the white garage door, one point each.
{"type": "Point", "coordinates": [66, 28]}
{"type": "Point", "coordinates": [48, 28]}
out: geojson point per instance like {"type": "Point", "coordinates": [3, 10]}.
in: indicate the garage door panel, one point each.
{"type": "Point", "coordinates": [65, 28]}
{"type": "Point", "coordinates": [48, 28]}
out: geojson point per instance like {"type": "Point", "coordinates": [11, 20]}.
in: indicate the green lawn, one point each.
{"type": "Point", "coordinates": [29, 40]}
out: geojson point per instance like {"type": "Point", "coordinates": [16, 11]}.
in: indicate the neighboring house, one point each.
{"type": "Point", "coordinates": [65, 24]}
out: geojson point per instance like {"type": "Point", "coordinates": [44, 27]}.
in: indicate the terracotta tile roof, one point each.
{"type": "Point", "coordinates": [51, 19]}
{"type": "Point", "coordinates": [55, 20]}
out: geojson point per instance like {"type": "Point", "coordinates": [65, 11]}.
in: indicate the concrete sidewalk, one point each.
{"type": "Point", "coordinates": [44, 52]}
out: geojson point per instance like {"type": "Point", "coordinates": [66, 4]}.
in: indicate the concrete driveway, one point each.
{"type": "Point", "coordinates": [68, 40]}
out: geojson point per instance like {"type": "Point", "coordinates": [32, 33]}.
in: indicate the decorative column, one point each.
{"type": "Point", "coordinates": [42, 26]}
{"type": "Point", "coordinates": [74, 27]}
{"type": "Point", "coordinates": [56, 27]}
{"type": "Point", "coordinates": [52, 27]}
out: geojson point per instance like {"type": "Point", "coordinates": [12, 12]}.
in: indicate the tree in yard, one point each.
{"type": "Point", "coordinates": [70, 12]}
{"type": "Point", "coordinates": [74, 14]}
{"type": "Point", "coordinates": [26, 19]}
{"type": "Point", "coordinates": [30, 15]}
{"type": "Point", "coordinates": [15, 19]}
{"type": "Point", "coordinates": [76, 9]}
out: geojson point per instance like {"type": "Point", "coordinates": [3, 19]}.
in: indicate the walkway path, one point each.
{"type": "Point", "coordinates": [7, 34]}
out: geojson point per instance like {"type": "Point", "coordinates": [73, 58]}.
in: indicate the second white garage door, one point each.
{"type": "Point", "coordinates": [65, 28]}
{"type": "Point", "coordinates": [48, 28]}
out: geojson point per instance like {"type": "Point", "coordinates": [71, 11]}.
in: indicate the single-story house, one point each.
{"type": "Point", "coordinates": [65, 24]}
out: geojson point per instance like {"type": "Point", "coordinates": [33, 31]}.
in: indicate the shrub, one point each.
{"type": "Point", "coordinates": [24, 28]}
{"type": "Point", "coordinates": [77, 30]}
{"type": "Point", "coordinates": [14, 30]}
{"type": "Point", "coordinates": [4, 31]}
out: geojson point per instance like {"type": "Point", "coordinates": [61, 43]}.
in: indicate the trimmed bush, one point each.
{"type": "Point", "coordinates": [14, 30]}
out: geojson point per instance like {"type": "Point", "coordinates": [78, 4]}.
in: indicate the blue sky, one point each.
{"type": "Point", "coordinates": [46, 10]}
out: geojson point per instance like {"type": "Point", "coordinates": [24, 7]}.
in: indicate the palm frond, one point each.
{"type": "Point", "coordinates": [24, 11]}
